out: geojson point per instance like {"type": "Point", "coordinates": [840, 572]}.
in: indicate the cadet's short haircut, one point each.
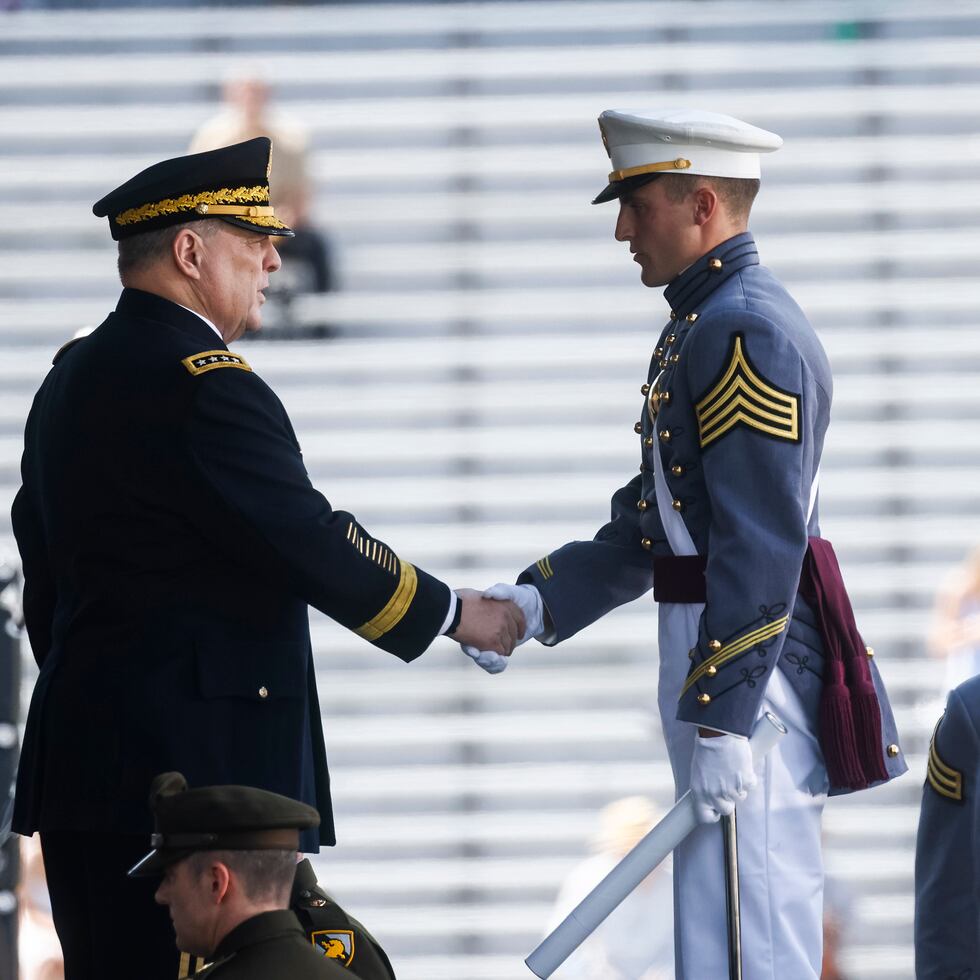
{"type": "Point", "coordinates": [141, 250]}
{"type": "Point", "coordinates": [735, 193]}
{"type": "Point", "coordinates": [264, 875]}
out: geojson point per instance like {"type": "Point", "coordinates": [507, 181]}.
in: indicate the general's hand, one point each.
{"type": "Point", "coordinates": [490, 626]}
{"type": "Point", "coordinates": [721, 775]}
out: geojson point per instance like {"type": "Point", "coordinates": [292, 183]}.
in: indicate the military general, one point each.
{"type": "Point", "coordinates": [722, 523]}
{"type": "Point", "coordinates": [172, 543]}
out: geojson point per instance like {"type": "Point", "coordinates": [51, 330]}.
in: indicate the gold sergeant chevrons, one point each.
{"type": "Point", "coordinates": [743, 397]}
{"type": "Point", "coordinates": [733, 649]}
{"type": "Point", "coordinates": [208, 360]}
{"type": "Point", "coordinates": [944, 779]}
{"type": "Point", "coordinates": [544, 567]}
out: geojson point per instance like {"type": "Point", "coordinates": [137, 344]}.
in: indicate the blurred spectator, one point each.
{"type": "Point", "coordinates": [956, 627]}
{"type": "Point", "coordinates": [307, 266]}
{"type": "Point", "coordinates": [40, 951]}
{"type": "Point", "coordinates": [636, 941]}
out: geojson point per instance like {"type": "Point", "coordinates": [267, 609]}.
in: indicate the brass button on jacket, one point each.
{"type": "Point", "coordinates": [714, 265]}
{"type": "Point", "coordinates": [665, 435]}
{"type": "Point", "coordinates": [714, 645]}
{"type": "Point", "coordinates": [670, 338]}
{"type": "Point", "coordinates": [704, 699]}
{"type": "Point", "coordinates": [677, 504]}
{"type": "Point", "coordinates": [637, 427]}
{"type": "Point", "coordinates": [642, 504]}
{"type": "Point", "coordinates": [646, 544]}
{"type": "Point", "coordinates": [645, 389]}
{"type": "Point", "coordinates": [711, 670]}
{"type": "Point", "coordinates": [263, 691]}
{"type": "Point", "coordinates": [648, 442]}
{"type": "Point", "coordinates": [677, 469]}
{"type": "Point", "coordinates": [893, 750]}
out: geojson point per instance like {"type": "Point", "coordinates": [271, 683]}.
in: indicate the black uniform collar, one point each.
{"type": "Point", "coordinates": [149, 306]}
{"type": "Point", "coordinates": [259, 929]}
{"type": "Point", "coordinates": [697, 282]}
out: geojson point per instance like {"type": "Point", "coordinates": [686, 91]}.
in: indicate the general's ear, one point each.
{"type": "Point", "coordinates": [219, 881]}
{"type": "Point", "coordinates": [188, 252]}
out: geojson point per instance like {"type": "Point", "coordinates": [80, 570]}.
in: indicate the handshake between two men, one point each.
{"type": "Point", "coordinates": [493, 622]}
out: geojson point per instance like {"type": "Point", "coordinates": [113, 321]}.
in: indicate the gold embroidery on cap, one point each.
{"type": "Point", "coordinates": [189, 202]}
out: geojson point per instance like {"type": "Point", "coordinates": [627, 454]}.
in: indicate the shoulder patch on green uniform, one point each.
{"type": "Point", "coordinates": [335, 944]}
{"type": "Point", "coordinates": [742, 396]}
{"type": "Point", "coordinates": [208, 360]}
{"type": "Point", "coordinates": [943, 778]}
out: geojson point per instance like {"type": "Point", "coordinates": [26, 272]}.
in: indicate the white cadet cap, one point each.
{"type": "Point", "coordinates": [683, 141]}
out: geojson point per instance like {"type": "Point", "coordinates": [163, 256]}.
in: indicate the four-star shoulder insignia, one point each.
{"type": "Point", "coordinates": [742, 396]}
{"type": "Point", "coordinates": [943, 778]}
{"type": "Point", "coordinates": [208, 360]}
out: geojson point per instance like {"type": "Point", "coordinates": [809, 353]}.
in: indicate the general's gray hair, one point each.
{"type": "Point", "coordinates": [139, 251]}
{"type": "Point", "coordinates": [264, 875]}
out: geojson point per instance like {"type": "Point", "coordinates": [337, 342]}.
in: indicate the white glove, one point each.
{"type": "Point", "coordinates": [528, 600]}
{"type": "Point", "coordinates": [491, 661]}
{"type": "Point", "coordinates": [721, 775]}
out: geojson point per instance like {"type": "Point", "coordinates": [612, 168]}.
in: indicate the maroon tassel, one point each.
{"type": "Point", "coordinates": [837, 735]}
{"type": "Point", "coordinates": [850, 717]}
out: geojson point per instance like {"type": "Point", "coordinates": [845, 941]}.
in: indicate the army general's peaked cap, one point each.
{"type": "Point", "coordinates": [231, 183]}
{"type": "Point", "coordinates": [681, 141]}
{"type": "Point", "coordinates": [219, 818]}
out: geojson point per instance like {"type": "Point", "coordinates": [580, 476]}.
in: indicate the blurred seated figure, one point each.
{"type": "Point", "coordinates": [636, 941]}
{"type": "Point", "coordinates": [38, 945]}
{"type": "Point", "coordinates": [307, 265]}
{"type": "Point", "coordinates": [956, 627]}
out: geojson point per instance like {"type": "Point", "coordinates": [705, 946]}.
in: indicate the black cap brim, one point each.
{"type": "Point", "coordinates": [618, 188]}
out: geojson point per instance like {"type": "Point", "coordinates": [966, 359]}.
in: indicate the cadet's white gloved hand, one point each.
{"type": "Point", "coordinates": [721, 775]}
{"type": "Point", "coordinates": [528, 600]}
{"type": "Point", "coordinates": [491, 661]}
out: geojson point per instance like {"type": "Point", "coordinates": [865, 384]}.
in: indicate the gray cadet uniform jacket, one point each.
{"type": "Point", "coordinates": [947, 853]}
{"type": "Point", "coordinates": [737, 402]}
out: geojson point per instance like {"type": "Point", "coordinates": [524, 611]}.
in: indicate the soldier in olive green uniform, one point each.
{"type": "Point", "coordinates": [227, 855]}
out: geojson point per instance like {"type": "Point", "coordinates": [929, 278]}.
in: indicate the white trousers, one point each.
{"type": "Point", "coordinates": [780, 864]}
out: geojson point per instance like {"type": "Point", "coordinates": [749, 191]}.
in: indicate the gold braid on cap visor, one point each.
{"type": "Point", "coordinates": [238, 201]}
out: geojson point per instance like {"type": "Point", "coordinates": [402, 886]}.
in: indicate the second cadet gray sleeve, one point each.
{"type": "Point", "coordinates": [947, 876]}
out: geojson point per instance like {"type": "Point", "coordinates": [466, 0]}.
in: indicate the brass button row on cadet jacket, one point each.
{"type": "Point", "coordinates": [642, 504]}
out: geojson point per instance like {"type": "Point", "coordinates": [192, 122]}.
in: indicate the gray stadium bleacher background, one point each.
{"type": "Point", "coordinates": [477, 408]}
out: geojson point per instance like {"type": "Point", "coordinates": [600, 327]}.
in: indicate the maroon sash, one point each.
{"type": "Point", "coordinates": [850, 717]}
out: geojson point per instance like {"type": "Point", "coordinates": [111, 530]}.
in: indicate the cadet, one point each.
{"type": "Point", "coordinates": [172, 543]}
{"type": "Point", "coordinates": [228, 858]}
{"type": "Point", "coordinates": [722, 523]}
{"type": "Point", "coordinates": [947, 849]}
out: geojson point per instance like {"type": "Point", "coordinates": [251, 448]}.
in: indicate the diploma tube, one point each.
{"type": "Point", "coordinates": [680, 820]}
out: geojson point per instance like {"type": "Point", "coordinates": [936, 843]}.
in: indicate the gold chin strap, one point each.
{"type": "Point", "coordinates": [650, 168]}
{"type": "Point", "coordinates": [239, 210]}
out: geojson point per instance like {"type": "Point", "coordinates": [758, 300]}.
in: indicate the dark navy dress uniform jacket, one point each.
{"type": "Point", "coordinates": [737, 402]}
{"type": "Point", "coordinates": [171, 543]}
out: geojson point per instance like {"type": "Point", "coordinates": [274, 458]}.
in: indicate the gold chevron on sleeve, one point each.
{"type": "Point", "coordinates": [944, 779]}
{"type": "Point", "coordinates": [733, 649]}
{"type": "Point", "coordinates": [544, 567]}
{"type": "Point", "coordinates": [396, 607]}
{"type": "Point", "coordinates": [743, 396]}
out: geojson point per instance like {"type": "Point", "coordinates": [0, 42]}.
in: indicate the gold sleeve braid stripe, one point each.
{"type": "Point", "coordinates": [396, 607]}
{"type": "Point", "coordinates": [743, 396]}
{"type": "Point", "coordinates": [378, 553]}
{"type": "Point", "coordinates": [944, 779]}
{"type": "Point", "coordinates": [188, 966]}
{"type": "Point", "coordinates": [544, 567]}
{"type": "Point", "coordinates": [208, 360]}
{"type": "Point", "coordinates": [736, 647]}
